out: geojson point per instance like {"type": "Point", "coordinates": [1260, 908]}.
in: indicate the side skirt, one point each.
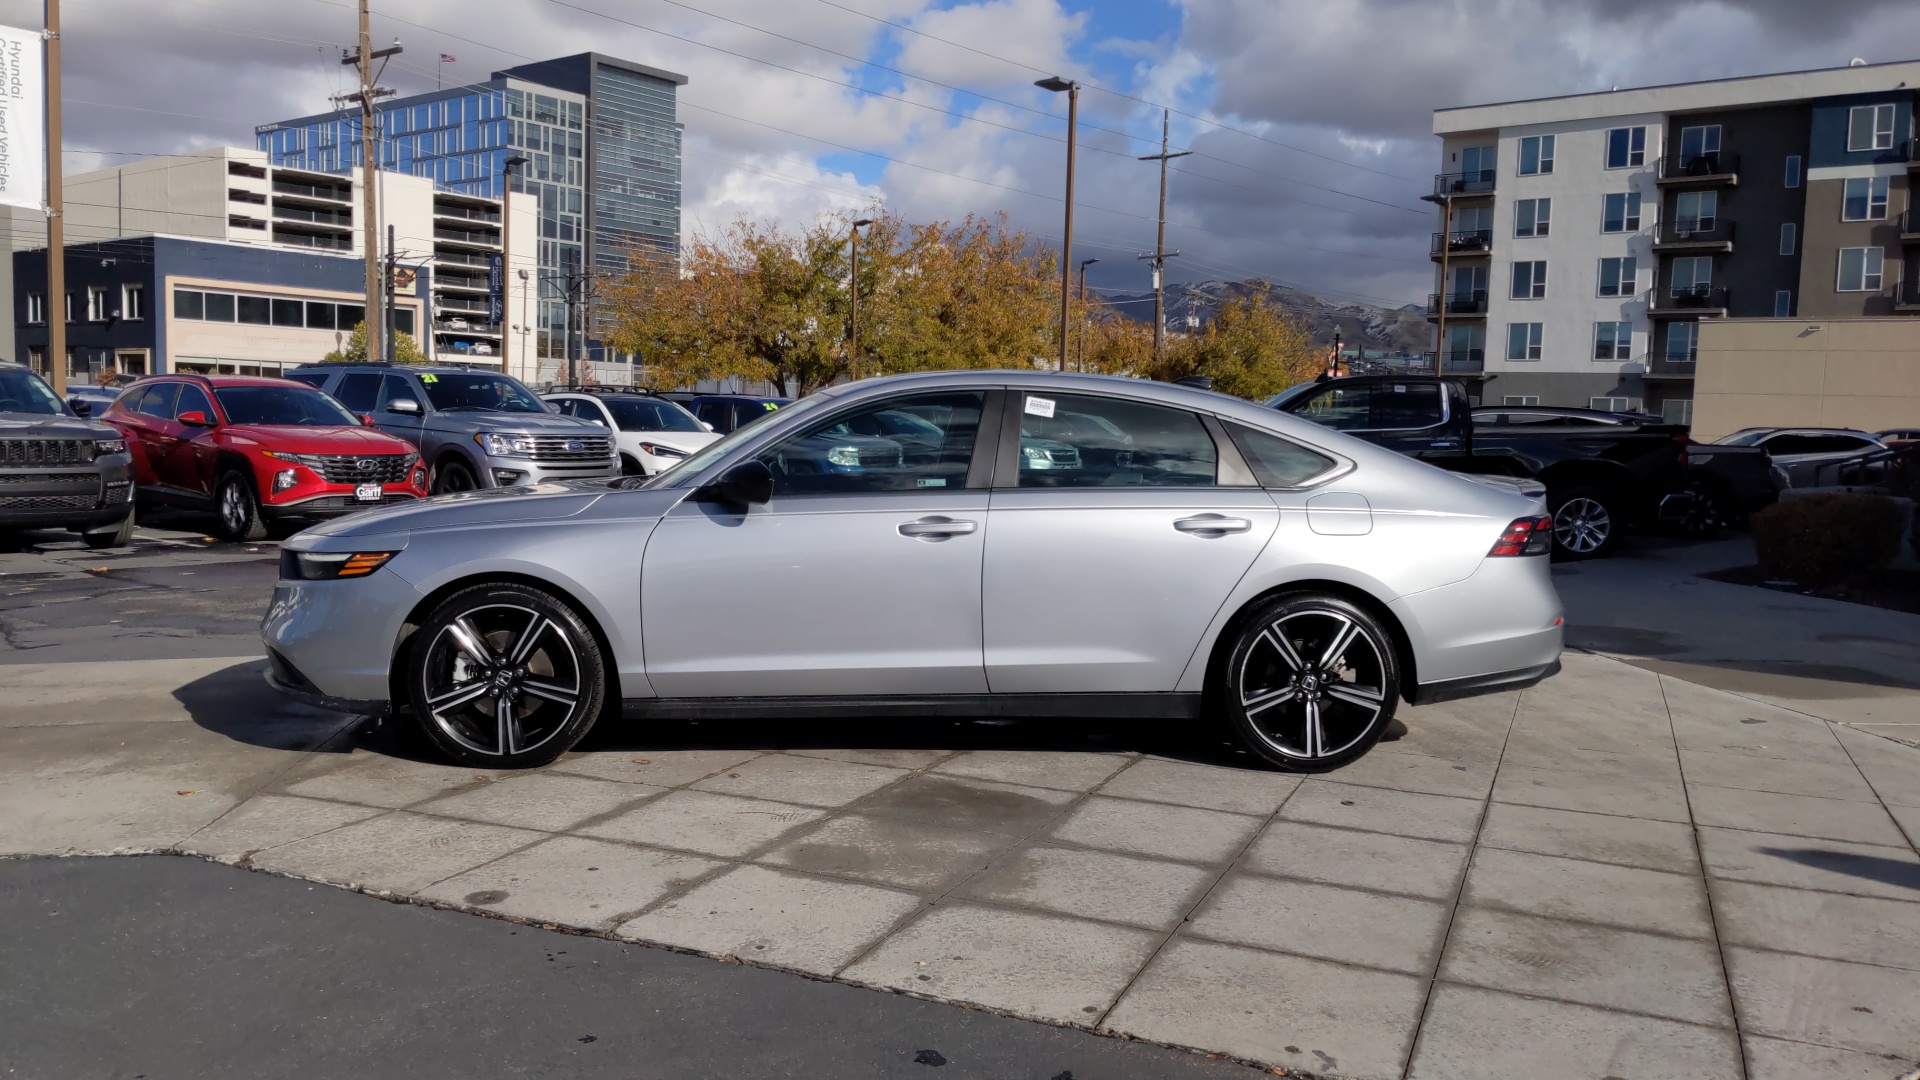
{"type": "Point", "coordinates": [1118, 706]}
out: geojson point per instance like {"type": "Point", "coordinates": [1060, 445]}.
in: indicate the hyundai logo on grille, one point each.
{"type": "Point", "coordinates": [575, 445]}
{"type": "Point", "coordinates": [366, 464]}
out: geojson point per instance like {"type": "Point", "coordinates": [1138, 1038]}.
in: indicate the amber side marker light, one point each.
{"type": "Point", "coordinates": [328, 565]}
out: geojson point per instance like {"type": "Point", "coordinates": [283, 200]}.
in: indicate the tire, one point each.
{"type": "Point", "coordinates": [112, 538]}
{"type": "Point", "coordinates": [237, 509]}
{"type": "Point", "coordinates": [504, 677]}
{"type": "Point", "coordinates": [1707, 515]}
{"type": "Point", "coordinates": [630, 466]}
{"type": "Point", "coordinates": [1586, 523]}
{"type": "Point", "coordinates": [1311, 682]}
{"type": "Point", "coordinates": [453, 475]}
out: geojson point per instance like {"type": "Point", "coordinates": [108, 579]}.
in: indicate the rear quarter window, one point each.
{"type": "Point", "coordinates": [1277, 462]}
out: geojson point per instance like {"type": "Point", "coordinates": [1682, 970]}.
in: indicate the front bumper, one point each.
{"type": "Point", "coordinates": [338, 637]}
{"type": "Point", "coordinates": [86, 498]}
{"type": "Point", "coordinates": [524, 472]}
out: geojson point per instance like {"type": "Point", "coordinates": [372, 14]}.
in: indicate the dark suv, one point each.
{"type": "Point", "coordinates": [725, 412]}
{"type": "Point", "coordinates": [58, 470]}
{"type": "Point", "coordinates": [475, 428]}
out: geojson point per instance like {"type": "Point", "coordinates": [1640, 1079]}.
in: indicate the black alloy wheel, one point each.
{"type": "Point", "coordinates": [238, 509]}
{"type": "Point", "coordinates": [1586, 523]}
{"type": "Point", "coordinates": [1311, 683]}
{"type": "Point", "coordinates": [451, 476]}
{"type": "Point", "coordinates": [505, 676]}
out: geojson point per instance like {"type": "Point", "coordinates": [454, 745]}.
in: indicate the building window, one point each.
{"type": "Point", "coordinates": [37, 360]}
{"type": "Point", "coordinates": [1864, 198]}
{"type": "Point", "coordinates": [1619, 277]}
{"type": "Point", "coordinates": [1861, 269]}
{"type": "Point", "coordinates": [1792, 181]}
{"type": "Point", "coordinates": [1683, 342]}
{"type": "Point", "coordinates": [1536, 155]}
{"type": "Point", "coordinates": [1621, 213]}
{"type": "Point", "coordinates": [1697, 143]}
{"type": "Point", "coordinates": [1626, 148]}
{"type": "Point", "coordinates": [1782, 303]}
{"type": "Point", "coordinates": [36, 308]}
{"type": "Point", "coordinates": [1531, 217]}
{"type": "Point", "coordinates": [1677, 411]}
{"type": "Point", "coordinates": [1520, 399]}
{"type": "Point", "coordinates": [1524, 340]}
{"type": "Point", "coordinates": [1789, 238]}
{"type": "Point", "coordinates": [1613, 341]}
{"type": "Point", "coordinates": [69, 300]}
{"type": "Point", "coordinates": [1695, 211]}
{"type": "Point", "coordinates": [97, 303]}
{"type": "Point", "coordinates": [1692, 275]}
{"type": "Point", "coordinates": [1613, 404]}
{"type": "Point", "coordinates": [133, 302]}
{"type": "Point", "coordinates": [1870, 127]}
{"type": "Point", "coordinates": [1529, 281]}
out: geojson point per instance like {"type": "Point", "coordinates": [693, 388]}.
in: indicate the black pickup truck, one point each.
{"type": "Point", "coordinates": [1604, 472]}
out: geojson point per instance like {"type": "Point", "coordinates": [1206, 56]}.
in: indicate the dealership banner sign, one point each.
{"type": "Point", "coordinates": [23, 119]}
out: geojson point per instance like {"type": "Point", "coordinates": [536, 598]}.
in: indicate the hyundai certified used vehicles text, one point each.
{"type": "Point", "coordinates": [650, 432]}
{"type": "Point", "coordinates": [1235, 563]}
{"type": "Point", "coordinates": [58, 470]}
{"type": "Point", "coordinates": [258, 451]}
{"type": "Point", "coordinates": [474, 428]}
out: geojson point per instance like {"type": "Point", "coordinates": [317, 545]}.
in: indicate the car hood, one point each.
{"type": "Point", "coordinates": [486, 506]}
{"type": "Point", "coordinates": [515, 422]}
{"type": "Point", "coordinates": [304, 439]}
{"type": "Point", "coordinates": [20, 425]}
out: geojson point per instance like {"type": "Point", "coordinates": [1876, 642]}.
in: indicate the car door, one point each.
{"type": "Point", "coordinates": [131, 422]}
{"type": "Point", "coordinates": [861, 576]}
{"type": "Point", "coordinates": [1104, 568]}
{"type": "Point", "coordinates": [155, 417]}
{"type": "Point", "coordinates": [187, 462]}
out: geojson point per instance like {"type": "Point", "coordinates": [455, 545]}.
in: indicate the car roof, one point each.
{"type": "Point", "coordinates": [386, 365]}
{"type": "Point", "coordinates": [217, 381]}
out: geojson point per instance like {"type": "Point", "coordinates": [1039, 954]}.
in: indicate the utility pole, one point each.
{"type": "Point", "coordinates": [1056, 84]}
{"type": "Point", "coordinates": [386, 308]}
{"type": "Point", "coordinates": [56, 305]}
{"type": "Point", "coordinates": [1160, 253]}
{"type": "Point", "coordinates": [1080, 361]}
{"type": "Point", "coordinates": [853, 296]}
{"type": "Point", "coordinates": [363, 59]}
{"type": "Point", "coordinates": [1446, 248]}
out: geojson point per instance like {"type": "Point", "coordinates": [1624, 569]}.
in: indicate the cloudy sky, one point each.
{"type": "Point", "coordinates": [1309, 119]}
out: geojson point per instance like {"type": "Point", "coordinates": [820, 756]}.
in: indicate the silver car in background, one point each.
{"type": "Point", "coordinates": [1200, 556]}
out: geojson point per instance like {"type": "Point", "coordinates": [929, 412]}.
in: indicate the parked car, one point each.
{"type": "Point", "coordinates": [1291, 581]}
{"type": "Point", "coordinates": [726, 412]}
{"type": "Point", "coordinates": [92, 400]}
{"type": "Point", "coordinates": [1604, 472]}
{"type": "Point", "coordinates": [474, 428]}
{"type": "Point", "coordinates": [1813, 457]}
{"type": "Point", "coordinates": [1899, 436]}
{"type": "Point", "coordinates": [258, 452]}
{"type": "Point", "coordinates": [650, 432]}
{"type": "Point", "coordinates": [59, 470]}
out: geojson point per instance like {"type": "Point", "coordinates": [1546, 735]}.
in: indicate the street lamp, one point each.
{"type": "Point", "coordinates": [506, 259]}
{"type": "Point", "coordinates": [1081, 362]}
{"type": "Point", "coordinates": [1057, 84]}
{"type": "Point", "coordinates": [853, 293]}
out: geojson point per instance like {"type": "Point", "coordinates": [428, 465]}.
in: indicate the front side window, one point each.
{"type": "Point", "coordinates": [1068, 440]}
{"type": "Point", "coordinates": [1864, 198]}
{"type": "Point", "coordinates": [1700, 144]}
{"type": "Point", "coordinates": [1695, 211]}
{"type": "Point", "coordinates": [1536, 155]}
{"type": "Point", "coordinates": [1275, 462]}
{"type": "Point", "coordinates": [1683, 342]}
{"type": "Point", "coordinates": [1524, 340]}
{"type": "Point", "coordinates": [489, 393]}
{"type": "Point", "coordinates": [1619, 277]}
{"type": "Point", "coordinates": [1620, 212]}
{"type": "Point", "coordinates": [159, 401]}
{"type": "Point", "coordinates": [193, 400]}
{"type": "Point", "coordinates": [1862, 269]}
{"type": "Point", "coordinates": [1529, 280]}
{"type": "Point", "coordinates": [1531, 217]}
{"type": "Point", "coordinates": [899, 444]}
{"type": "Point", "coordinates": [1870, 127]}
{"type": "Point", "coordinates": [1626, 148]}
{"type": "Point", "coordinates": [1613, 341]}
{"type": "Point", "coordinates": [1692, 275]}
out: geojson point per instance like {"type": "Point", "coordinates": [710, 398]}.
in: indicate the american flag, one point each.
{"type": "Point", "coordinates": [446, 58]}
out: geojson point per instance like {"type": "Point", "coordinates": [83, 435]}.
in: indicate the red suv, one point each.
{"type": "Point", "coordinates": [258, 451]}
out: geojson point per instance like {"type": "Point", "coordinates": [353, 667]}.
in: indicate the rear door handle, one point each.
{"type": "Point", "coordinates": [937, 528]}
{"type": "Point", "coordinates": [1214, 524]}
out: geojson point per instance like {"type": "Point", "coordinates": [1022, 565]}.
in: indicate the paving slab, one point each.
{"type": "Point", "coordinates": [1379, 861]}
{"type": "Point", "coordinates": [1799, 863]}
{"type": "Point", "coordinates": [1210, 787]}
{"type": "Point", "coordinates": [1818, 779]}
{"type": "Point", "coordinates": [776, 917]}
{"type": "Point", "coordinates": [1708, 719]}
{"type": "Point", "coordinates": [1565, 755]}
{"type": "Point", "coordinates": [893, 757]}
{"type": "Point", "coordinates": [1592, 892]}
{"type": "Point", "coordinates": [1777, 1059]}
{"type": "Point", "coordinates": [1867, 930]}
{"type": "Point", "coordinates": [1402, 813]}
{"type": "Point", "coordinates": [1873, 1010]}
{"type": "Point", "coordinates": [705, 823]}
{"type": "Point", "coordinates": [1297, 1013]}
{"type": "Point", "coordinates": [375, 779]}
{"type": "Point", "coordinates": [1892, 768]}
{"type": "Point", "coordinates": [1656, 845]}
{"type": "Point", "coordinates": [656, 768]}
{"type": "Point", "coordinates": [1624, 794]}
{"type": "Point", "coordinates": [1171, 832]}
{"type": "Point", "coordinates": [398, 853]}
{"type": "Point", "coordinates": [960, 803]}
{"type": "Point", "coordinates": [1045, 967]}
{"type": "Point", "coordinates": [1065, 770]}
{"type": "Point", "coordinates": [1793, 815]}
{"type": "Point", "coordinates": [885, 851]}
{"type": "Point", "coordinates": [266, 821]}
{"type": "Point", "coordinates": [1406, 770]}
{"type": "Point", "coordinates": [572, 881]}
{"type": "Point", "coordinates": [1908, 818]}
{"type": "Point", "coordinates": [1468, 730]}
{"type": "Point", "coordinates": [550, 802]}
{"type": "Point", "coordinates": [1473, 1033]}
{"type": "Point", "coordinates": [806, 781]}
{"type": "Point", "coordinates": [1149, 893]}
{"type": "Point", "coordinates": [1395, 933]}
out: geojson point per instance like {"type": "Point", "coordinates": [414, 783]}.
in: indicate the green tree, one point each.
{"type": "Point", "coordinates": [1250, 350]}
{"type": "Point", "coordinates": [406, 350]}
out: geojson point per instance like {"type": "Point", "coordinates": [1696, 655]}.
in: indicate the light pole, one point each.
{"type": "Point", "coordinates": [1081, 363]}
{"type": "Point", "coordinates": [506, 261]}
{"type": "Point", "coordinates": [1056, 84]}
{"type": "Point", "coordinates": [853, 294]}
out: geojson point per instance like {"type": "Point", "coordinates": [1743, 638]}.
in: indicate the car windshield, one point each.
{"type": "Point", "coordinates": [492, 393]}
{"type": "Point", "coordinates": [694, 465]}
{"type": "Point", "coordinates": [282, 406]}
{"type": "Point", "coordinates": [22, 391]}
{"type": "Point", "coordinates": [644, 414]}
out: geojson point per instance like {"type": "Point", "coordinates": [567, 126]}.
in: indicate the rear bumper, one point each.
{"type": "Point", "coordinates": [1475, 685]}
{"type": "Point", "coordinates": [1504, 619]}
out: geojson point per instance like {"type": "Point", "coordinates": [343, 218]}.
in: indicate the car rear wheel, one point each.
{"type": "Point", "coordinates": [452, 476]}
{"type": "Point", "coordinates": [112, 536]}
{"type": "Point", "coordinates": [238, 509]}
{"type": "Point", "coordinates": [1311, 683]}
{"type": "Point", "coordinates": [505, 677]}
{"type": "Point", "coordinates": [1586, 523]}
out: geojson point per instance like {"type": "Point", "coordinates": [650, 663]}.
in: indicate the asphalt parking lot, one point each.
{"type": "Point", "coordinates": [1623, 872]}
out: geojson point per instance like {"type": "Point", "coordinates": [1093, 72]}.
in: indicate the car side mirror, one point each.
{"type": "Point", "coordinates": [404, 406]}
{"type": "Point", "coordinates": [196, 418]}
{"type": "Point", "coordinates": [366, 419]}
{"type": "Point", "coordinates": [706, 425]}
{"type": "Point", "coordinates": [81, 407]}
{"type": "Point", "coordinates": [746, 483]}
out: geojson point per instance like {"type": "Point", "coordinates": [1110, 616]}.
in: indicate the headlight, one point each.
{"type": "Point", "coordinates": [284, 479]}
{"type": "Point", "coordinates": [103, 447]}
{"type": "Point", "coordinates": [311, 461]}
{"type": "Point", "coordinates": [1037, 457]}
{"type": "Point", "coordinates": [505, 445]}
{"type": "Point", "coordinates": [660, 451]}
{"type": "Point", "coordinates": [329, 565]}
{"type": "Point", "coordinates": [844, 455]}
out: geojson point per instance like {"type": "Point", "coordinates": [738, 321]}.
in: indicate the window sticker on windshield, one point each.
{"type": "Point", "coordinates": [429, 379]}
{"type": "Point", "coordinates": [770, 405]}
{"type": "Point", "coordinates": [933, 481]}
{"type": "Point", "coordinates": [1399, 389]}
{"type": "Point", "coordinates": [1039, 406]}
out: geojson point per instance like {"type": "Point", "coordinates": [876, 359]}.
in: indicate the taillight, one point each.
{"type": "Point", "coordinates": [1526, 536]}
{"type": "Point", "coordinates": [1684, 442]}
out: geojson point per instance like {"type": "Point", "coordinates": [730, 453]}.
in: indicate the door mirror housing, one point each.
{"type": "Point", "coordinates": [195, 418]}
{"type": "Point", "coordinates": [404, 406]}
{"type": "Point", "coordinates": [747, 483]}
{"type": "Point", "coordinates": [706, 425]}
{"type": "Point", "coordinates": [366, 419]}
{"type": "Point", "coordinates": [81, 407]}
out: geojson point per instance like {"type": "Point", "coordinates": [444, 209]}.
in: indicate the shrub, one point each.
{"type": "Point", "coordinates": [1820, 539]}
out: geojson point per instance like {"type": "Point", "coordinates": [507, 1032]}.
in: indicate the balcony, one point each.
{"type": "Point", "coordinates": [1457, 303]}
{"type": "Point", "coordinates": [313, 240]}
{"type": "Point", "coordinates": [1461, 185]}
{"type": "Point", "coordinates": [466, 328]}
{"type": "Point", "coordinates": [1906, 296]}
{"type": "Point", "coordinates": [461, 258]}
{"type": "Point", "coordinates": [465, 213]}
{"type": "Point", "coordinates": [1457, 362]}
{"type": "Point", "coordinates": [340, 218]}
{"type": "Point", "coordinates": [1712, 169]}
{"type": "Point", "coordinates": [1909, 227]}
{"type": "Point", "coordinates": [328, 192]}
{"type": "Point", "coordinates": [460, 283]}
{"type": "Point", "coordinates": [1467, 242]}
{"type": "Point", "coordinates": [1911, 151]}
{"type": "Point", "coordinates": [1689, 301]}
{"type": "Point", "coordinates": [490, 238]}
{"type": "Point", "coordinates": [1695, 236]}
{"type": "Point", "coordinates": [458, 304]}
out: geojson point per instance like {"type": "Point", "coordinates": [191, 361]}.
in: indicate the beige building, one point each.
{"type": "Point", "coordinates": [1856, 373]}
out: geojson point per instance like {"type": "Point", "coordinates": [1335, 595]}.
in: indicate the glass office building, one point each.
{"type": "Point", "coordinates": [603, 157]}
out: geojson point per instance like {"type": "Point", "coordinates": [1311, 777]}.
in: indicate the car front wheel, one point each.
{"type": "Point", "coordinates": [505, 676]}
{"type": "Point", "coordinates": [1311, 682]}
{"type": "Point", "coordinates": [239, 509]}
{"type": "Point", "coordinates": [452, 476]}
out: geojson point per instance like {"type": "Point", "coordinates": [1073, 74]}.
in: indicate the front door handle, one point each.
{"type": "Point", "coordinates": [1212, 525]}
{"type": "Point", "coordinates": [937, 528]}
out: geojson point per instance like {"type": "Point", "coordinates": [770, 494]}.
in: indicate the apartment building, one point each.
{"type": "Point", "coordinates": [1584, 239]}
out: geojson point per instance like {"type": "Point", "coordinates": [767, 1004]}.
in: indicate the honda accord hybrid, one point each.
{"type": "Point", "coordinates": [1234, 564]}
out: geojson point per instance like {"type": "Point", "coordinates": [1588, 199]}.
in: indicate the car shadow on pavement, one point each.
{"type": "Point", "coordinates": [236, 702]}
{"type": "Point", "coordinates": [1905, 875]}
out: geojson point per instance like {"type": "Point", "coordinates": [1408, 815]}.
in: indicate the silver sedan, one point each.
{"type": "Point", "coordinates": [951, 544]}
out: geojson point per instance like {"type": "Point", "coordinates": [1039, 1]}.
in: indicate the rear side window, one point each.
{"type": "Point", "coordinates": [358, 391]}
{"type": "Point", "coordinates": [1071, 441]}
{"type": "Point", "coordinates": [1276, 462]}
{"type": "Point", "coordinates": [1407, 405]}
{"type": "Point", "coordinates": [159, 400]}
